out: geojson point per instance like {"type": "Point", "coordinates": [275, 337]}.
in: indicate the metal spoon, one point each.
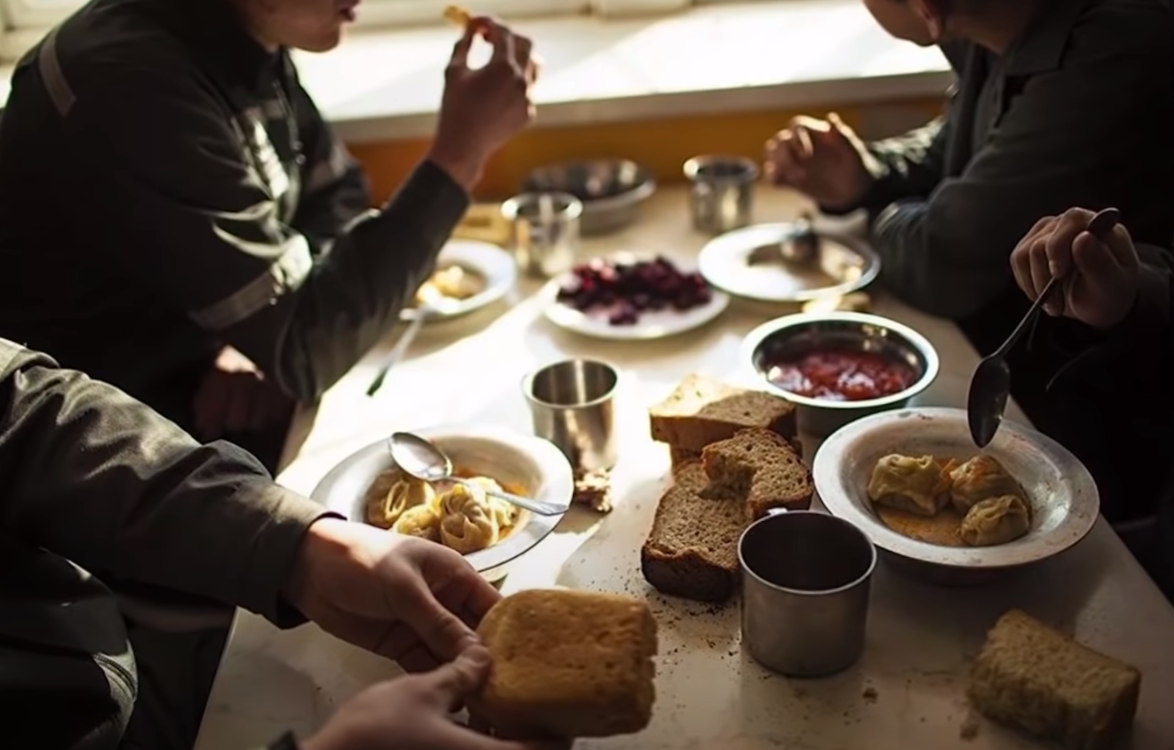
{"type": "Point", "coordinates": [423, 312]}
{"type": "Point", "coordinates": [991, 383]}
{"type": "Point", "coordinates": [423, 460]}
{"type": "Point", "coordinates": [802, 246]}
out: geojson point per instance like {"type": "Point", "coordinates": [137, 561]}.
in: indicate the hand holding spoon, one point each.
{"type": "Point", "coordinates": [421, 459]}
{"type": "Point", "coordinates": [991, 383]}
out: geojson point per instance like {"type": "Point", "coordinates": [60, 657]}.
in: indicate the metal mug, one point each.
{"type": "Point", "coordinates": [572, 406]}
{"type": "Point", "coordinates": [805, 588]}
{"type": "Point", "coordinates": [544, 234]}
{"type": "Point", "coordinates": [721, 192]}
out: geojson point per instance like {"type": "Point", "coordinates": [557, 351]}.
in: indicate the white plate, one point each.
{"type": "Point", "coordinates": [1064, 499]}
{"type": "Point", "coordinates": [492, 263]}
{"type": "Point", "coordinates": [533, 464]}
{"type": "Point", "coordinates": [845, 265]}
{"type": "Point", "coordinates": [650, 325]}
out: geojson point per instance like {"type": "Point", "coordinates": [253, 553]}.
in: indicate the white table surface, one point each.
{"type": "Point", "coordinates": [907, 693]}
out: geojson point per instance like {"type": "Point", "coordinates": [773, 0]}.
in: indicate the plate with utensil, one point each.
{"type": "Point", "coordinates": [787, 263]}
{"type": "Point", "coordinates": [469, 276]}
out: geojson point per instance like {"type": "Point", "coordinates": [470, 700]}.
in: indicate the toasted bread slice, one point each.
{"type": "Point", "coordinates": [568, 664]}
{"type": "Point", "coordinates": [1043, 682]}
{"type": "Point", "coordinates": [702, 411]}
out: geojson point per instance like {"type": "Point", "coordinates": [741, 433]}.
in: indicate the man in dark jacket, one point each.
{"type": "Point", "coordinates": [97, 488]}
{"type": "Point", "coordinates": [1121, 293]}
{"type": "Point", "coordinates": [1058, 103]}
{"type": "Point", "coordinates": [177, 219]}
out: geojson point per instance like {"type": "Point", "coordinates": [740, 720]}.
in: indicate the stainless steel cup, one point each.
{"type": "Point", "coordinates": [544, 236]}
{"type": "Point", "coordinates": [805, 588]}
{"type": "Point", "coordinates": [721, 192]}
{"type": "Point", "coordinates": [572, 403]}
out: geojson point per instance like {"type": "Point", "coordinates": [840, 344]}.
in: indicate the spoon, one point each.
{"type": "Point", "coordinates": [423, 312]}
{"type": "Point", "coordinates": [991, 383]}
{"type": "Point", "coordinates": [421, 459]}
{"type": "Point", "coordinates": [802, 246]}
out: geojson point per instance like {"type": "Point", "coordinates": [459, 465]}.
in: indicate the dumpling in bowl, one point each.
{"type": "Point", "coordinates": [980, 478]}
{"type": "Point", "coordinates": [996, 520]}
{"type": "Point", "coordinates": [392, 493]}
{"type": "Point", "coordinates": [505, 514]}
{"type": "Point", "coordinates": [467, 520]}
{"type": "Point", "coordinates": [421, 520]}
{"type": "Point", "coordinates": [908, 483]}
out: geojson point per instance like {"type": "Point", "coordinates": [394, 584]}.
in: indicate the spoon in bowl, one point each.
{"type": "Point", "coordinates": [421, 459]}
{"type": "Point", "coordinates": [991, 383]}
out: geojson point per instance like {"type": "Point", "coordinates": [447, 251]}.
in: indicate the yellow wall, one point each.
{"type": "Point", "coordinates": [661, 145]}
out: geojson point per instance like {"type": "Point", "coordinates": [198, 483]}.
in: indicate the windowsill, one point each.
{"type": "Point", "coordinates": [383, 84]}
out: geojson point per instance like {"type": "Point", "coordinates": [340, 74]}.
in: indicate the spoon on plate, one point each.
{"type": "Point", "coordinates": [421, 459]}
{"type": "Point", "coordinates": [991, 382]}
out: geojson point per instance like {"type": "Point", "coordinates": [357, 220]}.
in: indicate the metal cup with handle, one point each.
{"type": "Point", "coordinates": [805, 589]}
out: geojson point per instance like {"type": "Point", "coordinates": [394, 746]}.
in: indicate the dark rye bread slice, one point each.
{"type": "Point", "coordinates": [1046, 684]}
{"type": "Point", "coordinates": [702, 410]}
{"type": "Point", "coordinates": [692, 550]}
{"type": "Point", "coordinates": [760, 468]}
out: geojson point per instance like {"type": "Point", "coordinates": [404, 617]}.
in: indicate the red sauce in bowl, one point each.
{"type": "Point", "coordinates": [841, 375]}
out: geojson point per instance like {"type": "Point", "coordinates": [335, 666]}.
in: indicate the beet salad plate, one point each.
{"type": "Point", "coordinates": [631, 297]}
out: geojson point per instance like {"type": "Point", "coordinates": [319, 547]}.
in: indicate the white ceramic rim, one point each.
{"type": "Point", "coordinates": [932, 363]}
{"type": "Point", "coordinates": [838, 499]}
{"type": "Point", "coordinates": [729, 250]}
{"type": "Point", "coordinates": [493, 263]}
{"type": "Point", "coordinates": [663, 324]}
{"type": "Point", "coordinates": [558, 487]}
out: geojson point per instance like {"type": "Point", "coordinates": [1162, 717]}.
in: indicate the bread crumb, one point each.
{"type": "Point", "coordinates": [593, 489]}
{"type": "Point", "coordinates": [870, 695]}
{"type": "Point", "coordinates": [969, 729]}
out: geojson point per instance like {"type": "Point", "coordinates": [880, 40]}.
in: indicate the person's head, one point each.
{"type": "Point", "coordinates": [922, 22]}
{"type": "Point", "coordinates": [311, 25]}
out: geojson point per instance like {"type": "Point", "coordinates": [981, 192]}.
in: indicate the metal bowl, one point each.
{"type": "Point", "coordinates": [611, 190]}
{"type": "Point", "coordinates": [534, 465]}
{"type": "Point", "coordinates": [795, 334]}
{"type": "Point", "coordinates": [1062, 493]}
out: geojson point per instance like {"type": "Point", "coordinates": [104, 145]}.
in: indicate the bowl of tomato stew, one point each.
{"type": "Point", "coordinates": [839, 367]}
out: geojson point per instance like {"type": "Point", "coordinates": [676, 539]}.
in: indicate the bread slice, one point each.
{"type": "Point", "coordinates": [679, 457]}
{"type": "Point", "coordinates": [568, 664]}
{"type": "Point", "coordinates": [760, 467]}
{"type": "Point", "coordinates": [692, 550]}
{"type": "Point", "coordinates": [702, 411]}
{"type": "Point", "coordinates": [1039, 680]}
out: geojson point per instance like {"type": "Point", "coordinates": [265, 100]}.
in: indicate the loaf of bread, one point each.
{"type": "Point", "coordinates": [692, 550]}
{"type": "Point", "coordinates": [1041, 681]}
{"type": "Point", "coordinates": [702, 411]}
{"type": "Point", "coordinates": [760, 468]}
{"type": "Point", "coordinates": [568, 664]}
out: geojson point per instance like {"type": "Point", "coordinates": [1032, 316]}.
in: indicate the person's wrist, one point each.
{"type": "Point", "coordinates": [321, 542]}
{"type": "Point", "coordinates": [463, 165]}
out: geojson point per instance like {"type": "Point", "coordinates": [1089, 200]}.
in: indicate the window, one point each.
{"type": "Point", "coordinates": [25, 21]}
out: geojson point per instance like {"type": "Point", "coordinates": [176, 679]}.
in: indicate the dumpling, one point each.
{"type": "Point", "coordinates": [908, 483]}
{"type": "Point", "coordinates": [996, 520]}
{"type": "Point", "coordinates": [980, 478]}
{"type": "Point", "coordinates": [467, 520]}
{"type": "Point", "coordinates": [392, 493]}
{"type": "Point", "coordinates": [420, 520]}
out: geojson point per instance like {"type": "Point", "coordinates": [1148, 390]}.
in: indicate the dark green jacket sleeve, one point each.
{"type": "Point", "coordinates": [197, 222]}
{"type": "Point", "coordinates": [1059, 143]}
{"type": "Point", "coordinates": [92, 475]}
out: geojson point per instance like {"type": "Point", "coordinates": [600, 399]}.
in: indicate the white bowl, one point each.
{"type": "Point", "coordinates": [1064, 499]}
{"type": "Point", "coordinates": [529, 463]}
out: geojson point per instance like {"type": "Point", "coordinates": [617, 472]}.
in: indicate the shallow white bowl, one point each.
{"type": "Point", "coordinates": [1064, 499]}
{"type": "Point", "coordinates": [530, 463]}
